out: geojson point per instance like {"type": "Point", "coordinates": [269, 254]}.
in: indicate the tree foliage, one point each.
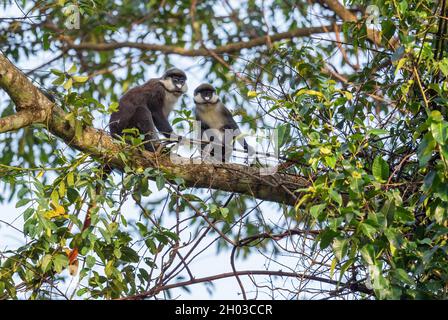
{"type": "Point", "coordinates": [358, 95]}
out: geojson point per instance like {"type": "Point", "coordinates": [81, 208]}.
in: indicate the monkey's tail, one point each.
{"type": "Point", "coordinates": [73, 254]}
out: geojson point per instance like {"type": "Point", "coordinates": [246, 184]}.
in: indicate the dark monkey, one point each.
{"type": "Point", "coordinates": [145, 108]}
{"type": "Point", "coordinates": [148, 106]}
{"type": "Point", "coordinates": [217, 123]}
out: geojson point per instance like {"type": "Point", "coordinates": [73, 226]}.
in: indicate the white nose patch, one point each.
{"type": "Point", "coordinates": [207, 98]}
{"type": "Point", "coordinates": [178, 85]}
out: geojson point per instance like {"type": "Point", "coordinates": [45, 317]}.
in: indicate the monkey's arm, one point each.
{"type": "Point", "coordinates": [231, 124]}
{"type": "Point", "coordinates": [204, 127]}
{"type": "Point", "coordinates": [161, 123]}
{"type": "Point", "coordinates": [121, 119]}
{"type": "Point", "coordinates": [143, 121]}
{"type": "Point", "coordinates": [155, 105]}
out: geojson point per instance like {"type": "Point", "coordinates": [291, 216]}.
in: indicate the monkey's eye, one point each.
{"type": "Point", "coordinates": [207, 94]}
{"type": "Point", "coordinates": [180, 80]}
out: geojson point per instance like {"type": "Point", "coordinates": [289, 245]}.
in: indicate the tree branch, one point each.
{"type": "Point", "coordinates": [170, 49]}
{"type": "Point", "coordinates": [154, 291]}
{"type": "Point", "coordinates": [25, 95]}
{"type": "Point", "coordinates": [20, 120]}
{"type": "Point", "coordinates": [227, 177]}
{"type": "Point", "coordinates": [347, 15]}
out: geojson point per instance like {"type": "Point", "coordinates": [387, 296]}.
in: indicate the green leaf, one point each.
{"type": "Point", "coordinates": [367, 229]}
{"type": "Point", "coordinates": [224, 212]}
{"type": "Point", "coordinates": [403, 6]}
{"type": "Point", "coordinates": [109, 269]}
{"type": "Point", "coordinates": [441, 214]}
{"type": "Point", "coordinates": [117, 253]}
{"type": "Point", "coordinates": [403, 276]}
{"type": "Point", "coordinates": [90, 261]}
{"type": "Point", "coordinates": [160, 182]}
{"type": "Point", "coordinates": [27, 213]}
{"type": "Point", "coordinates": [60, 261]}
{"type": "Point", "coordinates": [330, 161]}
{"type": "Point", "coordinates": [340, 248]}
{"type": "Point", "coordinates": [46, 262]}
{"type": "Point", "coordinates": [113, 107]}
{"type": "Point", "coordinates": [425, 149]}
{"type": "Point", "coordinates": [404, 215]}
{"type": "Point", "coordinates": [151, 245]}
{"type": "Point", "coordinates": [368, 254]}
{"type": "Point", "coordinates": [377, 132]}
{"type": "Point", "coordinates": [82, 292]}
{"type": "Point", "coordinates": [46, 42]}
{"type": "Point", "coordinates": [283, 134]}
{"type": "Point", "coordinates": [326, 237]}
{"type": "Point", "coordinates": [22, 202]}
{"type": "Point", "coordinates": [335, 196]}
{"type": "Point", "coordinates": [443, 65]}
{"type": "Point", "coordinates": [380, 169]}
{"type": "Point", "coordinates": [439, 131]}
{"type": "Point", "coordinates": [436, 116]}
{"type": "Point", "coordinates": [317, 209]}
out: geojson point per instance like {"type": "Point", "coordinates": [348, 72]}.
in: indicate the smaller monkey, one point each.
{"type": "Point", "coordinates": [217, 124]}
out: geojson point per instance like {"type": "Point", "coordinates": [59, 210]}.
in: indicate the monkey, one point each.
{"type": "Point", "coordinates": [148, 106]}
{"type": "Point", "coordinates": [145, 108]}
{"type": "Point", "coordinates": [217, 123]}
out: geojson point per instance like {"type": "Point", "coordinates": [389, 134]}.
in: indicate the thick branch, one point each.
{"type": "Point", "coordinates": [19, 88]}
{"type": "Point", "coordinates": [20, 120]}
{"type": "Point", "coordinates": [227, 177]}
{"type": "Point", "coordinates": [170, 49]}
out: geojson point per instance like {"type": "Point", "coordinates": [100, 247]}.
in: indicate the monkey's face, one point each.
{"type": "Point", "coordinates": [206, 96]}
{"type": "Point", "coordinates": [174, 80]}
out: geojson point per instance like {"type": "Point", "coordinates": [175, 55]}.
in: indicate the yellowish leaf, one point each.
{"type": "Point", "coordinates": [70, 179]}
{"type": "Point", "coordinates": [325, 151]}
{"type": "Point", "coordinates": [310, 93]}
{"type": "Point", "coordinates": [80, 79]}
{"type": "Point", "coordinates": [49, 214]}
{"type": "Point", "coordinates": [72, 69]}
{"type": "Point", "coordinates": [400, 64]}
{"type": "Point", "coordinates": [68, 84]}
{"type": "Point", "coordinates": [57, 212]}
{"type": "Point", "coordinates": [62, 189]}
{"type": "Point", "coordinates": [252, 94]}
{"type": "Point", "coordinates": [356, 175]}
{"type": "Point", "coordinates": [333, 267]}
